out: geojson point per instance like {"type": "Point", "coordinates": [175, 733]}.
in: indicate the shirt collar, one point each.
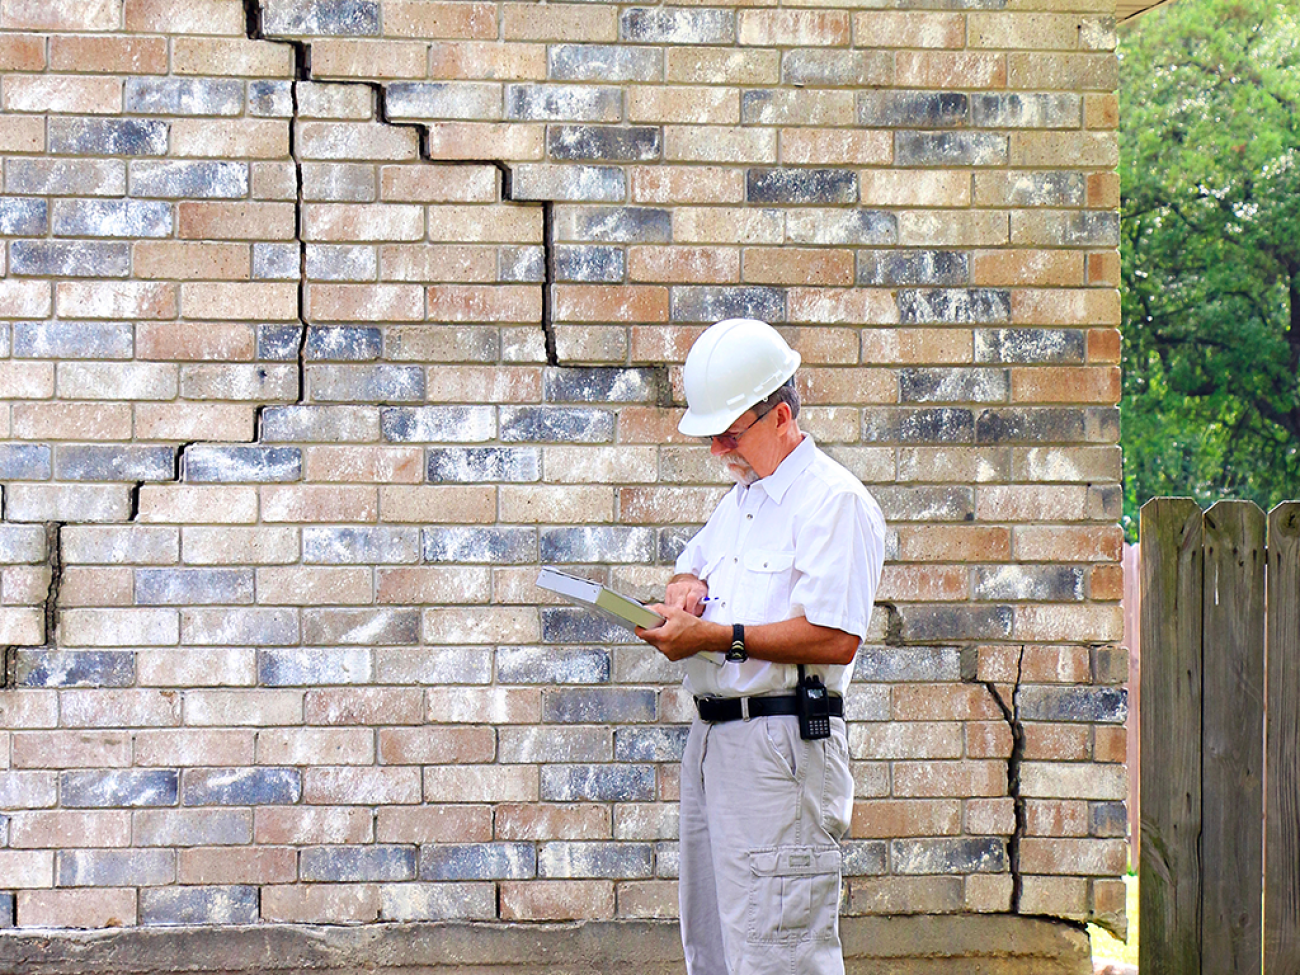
{"type": "Point", "coordinates": [795, 463]}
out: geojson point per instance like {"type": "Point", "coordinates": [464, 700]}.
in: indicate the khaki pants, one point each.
{"type": "Point", "coordinates": [762, 814]}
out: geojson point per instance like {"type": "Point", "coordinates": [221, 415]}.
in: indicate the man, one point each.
{"type": "Point", "coordinates": [779, 581]}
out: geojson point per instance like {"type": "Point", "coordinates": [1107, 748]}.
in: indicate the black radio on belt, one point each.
{"type": "Point", "coordinates": [814, 707]}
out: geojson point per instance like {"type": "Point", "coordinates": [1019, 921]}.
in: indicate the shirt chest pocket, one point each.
{"type": "Point", "coordinates": [764, 584]}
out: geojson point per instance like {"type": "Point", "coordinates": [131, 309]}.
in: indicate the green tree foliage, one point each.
{"type": "Point", "coordinates": [1210, 227]}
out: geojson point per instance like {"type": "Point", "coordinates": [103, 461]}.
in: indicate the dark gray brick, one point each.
{"type": "Point", "coordinates": [1089, 228]}
{"type": "Point", "coordinates": [438, 424]}
{"type": "Point", "coordinates": [563, 103]}
{"type": "Point", "coordinates": [604, 62]}
{"type": "Point", "coordinates": [1046, 425]}
{"type": "Point", "coordinates": [613, 225]}
{"type": "Point", "coordinates": [339, 182]}
{"type": "Point", "coordinates": [478, 861]}
{"type": "Point", "coordinates": [112, 218]}
{"type": "Point", "coordinates": [599, 385]}
{"type": "Point", "coordinates": [1107, 819]}
{"type": "Point", "coordinates": [496, 546]}
{"type": "Point", "coordinates": [192, 827]}
{"type": "Point", "coordinates": [71, 259]}
{"type": "Point", "coordinates": [4, 340]}
{"type": "Point", "coordinates": [366, 384]}
{"type": "Point", "coordinates": [672, 541]}
{"type": "Point", "coordinates": [96, 462]}
{"type": "Point", "coordinates": [193, 587]}
{"type": "Point", "coordinates": [552, 665]}
{"type": "Point", "coordinates": [1020, 110]}
{"type": "Point", "coordinates": [108, 136]}
{"type": "Point", "coordinates": [348, 545]}
{"type": "Point", "coordinates": [8, 916]}
{"type": "Point", "coordinates": [912, 109]}
{"type": "Point", "coordinates": [556, 424]}
{"type": "Point", "coordinates": [1022, 583]}
{"type": "Point", "coordinates": [925, 502]}
{"type": "Point", "coordinates": [658, 744]}
{"type": "Point", "coordinates": [564, 624]}
{"type": "Point", "coordinates": [953, 385]}
{"type": "Point", "coordinates": [270, 99]}
{"type": "Point", "coordinates": [343, 342]}
{"type": "Point", "coordinates": [23, 217]}
{"type": "Point", "coordinates": [939, 624]}
{"type": "Point", "coordinates": [242, 464]}
{"type": "Point", "coordinates": [801, 186]}
{"type": "Point", "coordinates": [199, 905]}
{"type": "Point", "coordinates": [113, 788]}
{"type": "Point", "coordinates": [189, 180]}
{"type": "Point", "coordinates": [835, 69]}
{"type": "Point", "coordinates": [115, 868]}
{"type": "Point", "coordinates": [66, 177]}
{"type": "Point", "coordinates": [711, 303]}
{"type": "Point", "coordinates": [241, 786]}
{"type": "Point", "coordinates": [184, 96]}
{"type": "Point", "coordinates": [1097, 705]}
{"type": "Point", "coordinates": [362, 627]}
{"type": "Point", "coordinates": [342, 262]}
{"type": "Point", "coordinates": [892, 268]}
{"type": "Point", "coordinates": [900, 664]}
{"type": "Point", "coordinates": [471, 465]}
{"type": "Point", "coordinates": [24, 462]}
{"type": "Point", "coordinates": [592, 543]}
{"type": "Point", "coordinates": [865, 858]}
{"type": "Point", "coordinates": [950, 149]}
{"type": "Point", "coordinates": [961, 855]}
{"type": "Point", "coordinates": [245, 628]}
{"type": "Point", "coordinates": [598, 705]}
{"type": "Point", "coordinates": [598, 783]}
{"type": "Point", "coordinates": [678, 25]}
{"type": "Point", "coordinates": [319, 424]}
{"type": "Point", "coordinates": [354, 864]}
{"type": "Point", "coordinates": [616, 861]}
{"type": "Point", "coordinates": [1031, 345]}
{"type": "Point", "coordinates": [521, 264]}
{"type": "Point", "coordinates": [575, 184]}
{"type": "Point", "coordinates": [587, 262]}
{"type": "Point", "coordinates": [667, 860]}
{"type": "Point", "coordinates": [954, 306]}
{"type": "Point", "coordinates": [942, 426]}
{"type": "Point", "coordinates": [1046, 189]}
{"type": "Point", "coordinates": [841, 227]}
{"type": "Point", "coordinates": [278, 262]}
{"type": "Point", "coordinates": [1110, 665]}
{"type": "Point", "coordinates": [329, 18]}
{"type": "Point", "coordinates": [278, 343]}
{"type": "Point", "coordinates": [604, 143]}
{"type": "Point", "coordinates": [75, 668]}
{"type": "Point", "coordinates": [443, 100]}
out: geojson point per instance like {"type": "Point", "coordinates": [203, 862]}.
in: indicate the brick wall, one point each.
{"type": "Point", "coordinates": [325, 321]}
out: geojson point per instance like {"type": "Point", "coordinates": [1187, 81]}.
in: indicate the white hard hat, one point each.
{"type": "Point", "coordinates": [736, 363]}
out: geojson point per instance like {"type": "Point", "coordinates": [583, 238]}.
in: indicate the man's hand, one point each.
{"type": "Point", "coordinates": [685, 592]}
{"type": "Point", "coordinates": [683, 635]}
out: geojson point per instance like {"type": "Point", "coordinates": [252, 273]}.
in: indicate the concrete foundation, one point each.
{"type": "Point", "coordinates": [928, 945]}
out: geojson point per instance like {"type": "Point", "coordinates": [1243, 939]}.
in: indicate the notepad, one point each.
{"type": "Point", "coordinates": [614, 606]}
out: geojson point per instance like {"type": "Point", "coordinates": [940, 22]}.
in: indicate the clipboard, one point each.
{"type": "Point", "coordinates": [614, 606]}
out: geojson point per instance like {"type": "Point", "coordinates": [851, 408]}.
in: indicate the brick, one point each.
{"type": "Point", "coordinates": [351, 864]}
{"type": "Point", "coordinates": [945, 69]}
{"type": "Point", "coordinates": [118, 299]}
{"type": "Point", "coordinates": [369, 140]}
{"type": "Point", "coordinates": [65, 177]}
{"type": "Point", "coordinates": [28, 790]}
{"type": "Point", "coordinates": [84, 908]}
{"type": "Point", "coordinates": [719, 145]}
{"type": "Point", "coordinates": [310, 824]}
{"type": "Point", "coordinates": [337, 58]}
{"type": "Point", "coordinates": [563, 103]}
{"type": "Point", "coordinates": [65, 503]}
{"type": "Point", "coordinates": [832, 68]}
{"type": "Point", "coordinates": [321, 903]}
{"type": "Point", "coordinates": [556, 900]}
{"type": "Point", "coordinates": [1030, 189]}
{"type": "Point", "coordinates": [559, 22]}
{"type": "Point", "coordinates": [416, 902]}
{"type": "Point", "coordinates": [174, 504]}
{"type": "Point", "coordinates": [199, 905]}
{"type": "Point", "coordinates": [1062, 72]}
{"type": "Point", "coordinates": [1102, 857]}
{"type": "Point", "coordinates": [230, 138]}
{"type": "Point", "coordinates": [241, 787]}
{"type": "Point", "coordinates": [25, 52]}
{"type": "Point", "coordinates": [223, 221]}
{"type": "Point", "coordinates": [469, 101]}
{"type": "Point", "coordinates": [434, 824]}
{"type": "Point", "coordinates": [456, 21]}
{"type": "Point", "coordinates": [366, 383]}
{"type": "Point", "coordinates": [364, 464]}
{"type": "Point", "coordinates": [910, 29]}
{"type": "Point", "coordinates": [950, 149]}
{"type": "Point", "coordinates": [126, 788]}
{"type": "Point", "coordinates": [108, 137]}
{"type": "Point", "coordinates": [72, 668]}
{"type": "Point", "coordinates": [912, 109]}
{"type": "Point", "coordinates": [491, 545]}
{"type": "Point", "coordinates": [578, 184]}
{"type": "Point", "coordinates": [556, 423]}
{"type": "Point", "coordinates": [699, 265]}
{"type": "Point", "coordinates": [477, 140]}
{"type": "Point", "coordinates": [603, 63]}
{"type": "Point", "coordinates": [112, 218]}
{"type": "Point", "coordinates": [327, 17]}
{"type": "Point", "coordinates": [798, 266]}
{"type": "Point", "coordinates": [64, 828]}
{"type": "Point", "coordinates": [911, 188]}
{"type": "Point", "coordinates": [484, 861]}
{"type": "Point", "coordinates": [69, 259]}
{"type": "Point", "coordinates": [795, 28]}
{"type": "Point", "coordinates": [184, 96]}
{"type": "Point", "coordinates": [481, 783]}
{"type": "Point", "coordinates": [25, 462]}
{"type": "Point", "coordinates": [116, 868]}
{"type": "Point", "coordinates": [302, 586]}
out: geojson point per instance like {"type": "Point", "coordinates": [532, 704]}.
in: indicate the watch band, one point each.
{"type": "Point", "coordinates": [737, 653]}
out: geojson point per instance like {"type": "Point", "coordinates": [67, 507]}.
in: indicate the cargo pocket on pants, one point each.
{"type": "Point", "coordinates": [794, 894]}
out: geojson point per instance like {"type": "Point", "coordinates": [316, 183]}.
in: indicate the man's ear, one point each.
{"type": "Point", "coordinates": [783, 415]}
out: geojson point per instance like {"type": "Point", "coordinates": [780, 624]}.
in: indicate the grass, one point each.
{"type": "Point", "coordinates": [1106, 947]}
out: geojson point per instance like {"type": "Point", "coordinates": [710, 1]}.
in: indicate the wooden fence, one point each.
{"type": "Point", "coordinates": [1220, 637]}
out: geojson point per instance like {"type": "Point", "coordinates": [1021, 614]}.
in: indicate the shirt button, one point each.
{"type": "Point", "coordinates": [749, 517]}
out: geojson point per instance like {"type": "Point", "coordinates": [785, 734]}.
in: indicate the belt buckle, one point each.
{"type": "Point", "coordinates": [744, 709]}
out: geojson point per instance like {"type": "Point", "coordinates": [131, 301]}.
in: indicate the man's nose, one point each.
{"type": "Point", "coordinates": [717, 449]}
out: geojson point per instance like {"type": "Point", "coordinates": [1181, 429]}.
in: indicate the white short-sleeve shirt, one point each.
{"type": "Point", "coordinates": [807, 540]}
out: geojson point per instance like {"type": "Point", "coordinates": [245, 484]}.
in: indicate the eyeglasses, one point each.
{"type": "Point", "coordinates": [730, 439]}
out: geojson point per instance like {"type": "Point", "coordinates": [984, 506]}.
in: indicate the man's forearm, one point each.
{"type": "Point", "coordinates": [796, 641]}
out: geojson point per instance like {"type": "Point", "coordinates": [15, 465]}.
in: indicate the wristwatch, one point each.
{"type": "Point", "coordinates": [737, 653]}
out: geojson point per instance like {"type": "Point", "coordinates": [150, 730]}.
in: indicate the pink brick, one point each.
{"type": "Point", "coordinates": [318, 504]}
{"type": "Point", "coordinates": [193, 747]}
{"type": "Point", "coordinates": [70, 828]}
{"type": "Point", "coordinates": [364, 706]}
{"type": "Point", "coordinates": [77, 908]}
{"type": "Point", "coordinates": [434, 824]}
{"type": "Point", "coordinates": [556, 900]}
{"type": "Point", "coordinates": [71, 749]}
{"type": "Point", "coordinates": [321, 903]}
{"type": "Point", "coordinates": [223, 865]}
{"type": "Point", "coordinates": [313, 825]}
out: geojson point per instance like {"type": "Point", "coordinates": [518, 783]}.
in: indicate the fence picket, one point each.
{"type": "Point", "coordinates": [1282, 843]}
{"type": "Point", "coordinates": [1170, 878]}
{"type": "Point", "coordinates": [1232, 746]}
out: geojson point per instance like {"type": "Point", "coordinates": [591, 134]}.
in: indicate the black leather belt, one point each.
{"type": "Point", "coordinates": [715, 709]}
